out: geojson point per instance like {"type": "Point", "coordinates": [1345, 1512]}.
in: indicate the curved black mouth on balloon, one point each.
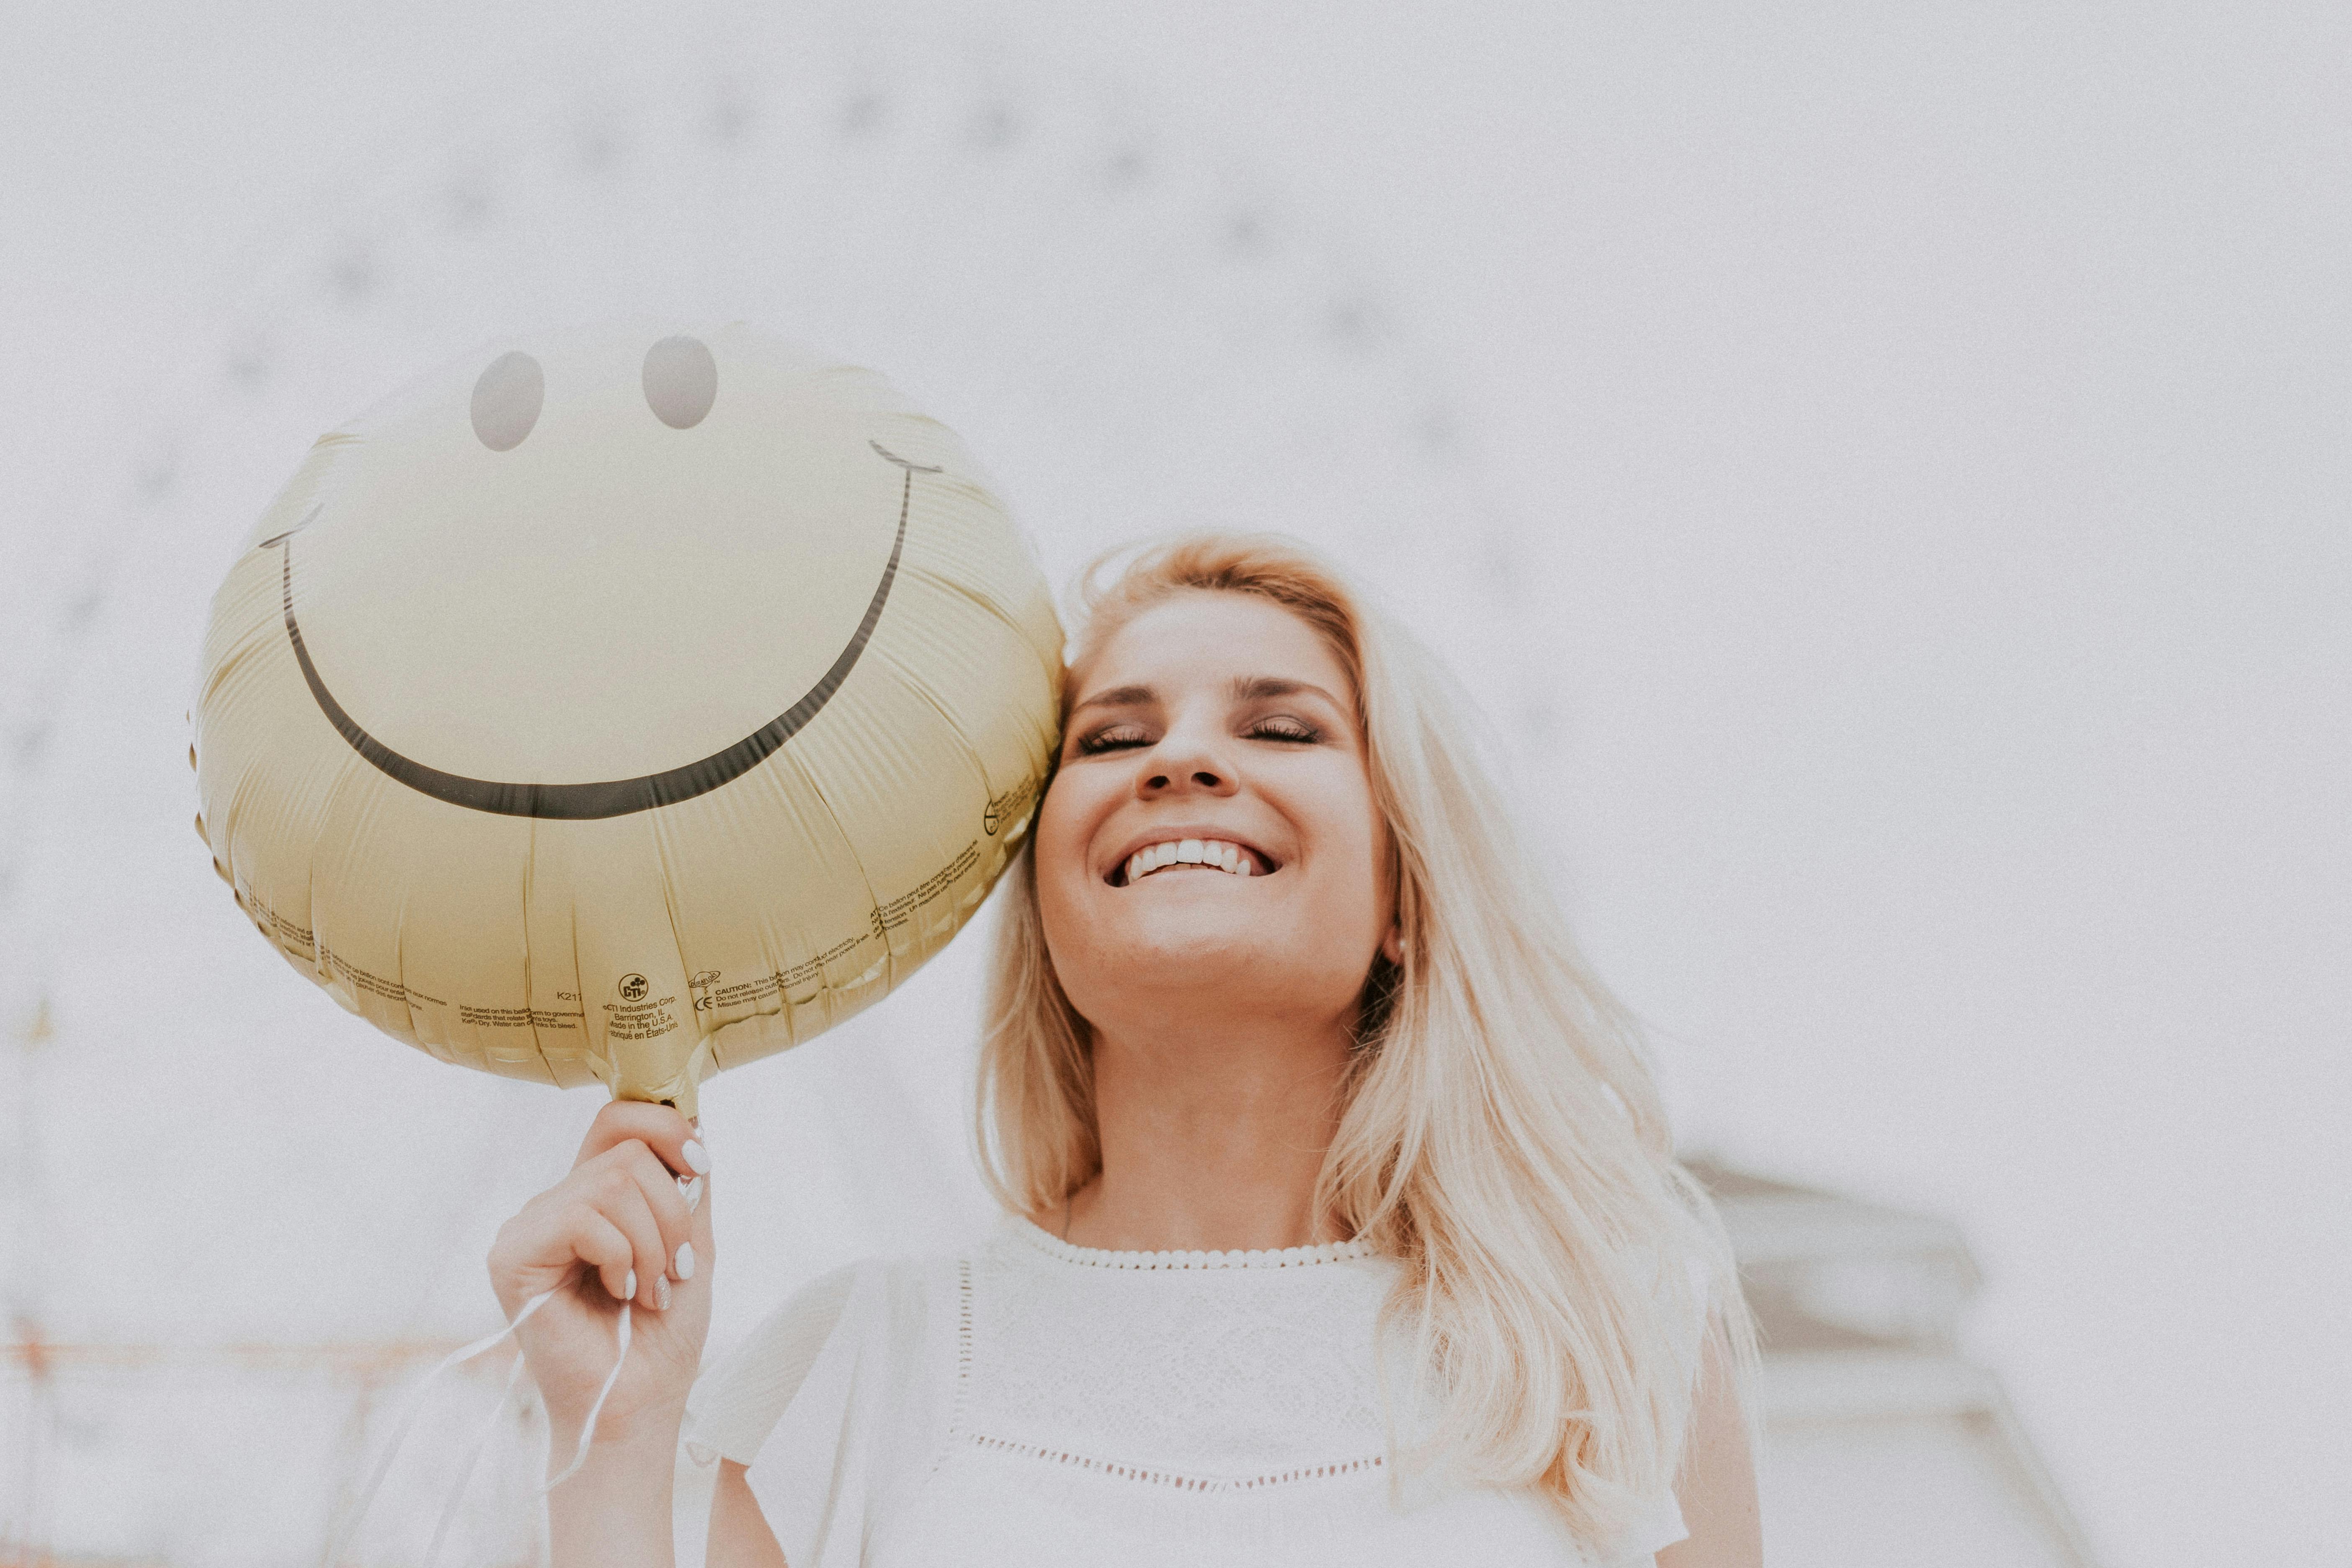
{"type": "Point", "coordinates": [611, 797]}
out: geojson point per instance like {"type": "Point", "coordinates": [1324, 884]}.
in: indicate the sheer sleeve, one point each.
{"type": "Point", "coordinates": [1660, 1526]}
{"type": "Point", "coordinates": [834, 1404]}
{"type": "Point", "coordinates": [738, 1400]}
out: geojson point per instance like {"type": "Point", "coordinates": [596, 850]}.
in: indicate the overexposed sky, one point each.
{"type": "Point", "coordinates": [1924, 439]}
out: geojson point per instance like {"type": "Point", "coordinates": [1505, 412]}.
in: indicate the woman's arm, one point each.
{"type": "Point", "coordinates": [739, 1536]}
{"type": "Point", "coordinates": [616, 1510]}
{"type": "Point", "coordinates": [626, 1225]}
{"type": "Point", "coordinates": [1717, 1489]}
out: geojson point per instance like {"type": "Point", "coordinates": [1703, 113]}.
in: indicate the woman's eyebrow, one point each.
{"type": "Point", "coordinates": [1245, 688]}
{"type": "Point", "coordinates": [1119, 697]}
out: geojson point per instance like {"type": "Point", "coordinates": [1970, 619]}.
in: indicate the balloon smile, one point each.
{"type": "Point", "coordinates": [611, 797]}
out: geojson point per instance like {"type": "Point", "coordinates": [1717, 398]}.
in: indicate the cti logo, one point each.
{"type": "Point", "coordinates": [634, 987]}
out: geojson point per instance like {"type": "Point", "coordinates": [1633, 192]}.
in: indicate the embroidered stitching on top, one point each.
{"type": "Point", "coordinates": [1095, 1257]}
{"type": "Point", "coordinates": [1206, 1484]}
{"type": "Point", "coordinates": [963, 1396]}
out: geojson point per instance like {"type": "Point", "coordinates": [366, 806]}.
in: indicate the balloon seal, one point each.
{"type": "Point", "coordinates": [682, 1097]}
{"type": "Point", "coordinates": [680, 1093]}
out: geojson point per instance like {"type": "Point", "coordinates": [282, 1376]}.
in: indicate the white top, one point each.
{"type": "Point", "coordinates": [1038, 1404]}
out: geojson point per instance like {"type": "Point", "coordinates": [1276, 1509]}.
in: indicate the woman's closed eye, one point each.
{"type": "Point", "coordinates": [1112, 738]}
{"type": "Point", "coordinates": [1126, 735]}
{"type": "Point", "coordinates": [1283, 727]}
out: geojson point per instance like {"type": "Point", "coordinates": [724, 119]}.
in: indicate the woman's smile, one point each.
{"type": "Point", "coordinates": [1181, 847]}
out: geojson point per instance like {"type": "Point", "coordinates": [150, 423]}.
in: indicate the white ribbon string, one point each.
{"type": "Point", "coordinates": [415, 1405]}
{"type": "Point", "coordinates": [408, 1418]}
{"type": "Point", "coordinates": [473, 1458]}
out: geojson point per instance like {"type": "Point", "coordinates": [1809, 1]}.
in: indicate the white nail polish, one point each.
{"type": "Point", "coordinates": [629, 1287]}
{"type": "Point", "coordinates": [690, 1189]}
{"type": "Point", "coordinates": [661, 1294]}
{"type": "Point", "coordinates": [695, 1160]}
{"type": "Point", "coordinates": [685, 1267]}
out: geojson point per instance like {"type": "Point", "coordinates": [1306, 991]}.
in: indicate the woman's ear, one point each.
{"type": "Point", "coordinates": [1392, 945]}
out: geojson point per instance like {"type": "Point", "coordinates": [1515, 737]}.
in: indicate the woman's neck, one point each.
{"type": "Point", "coordinates": [1210, 1143]}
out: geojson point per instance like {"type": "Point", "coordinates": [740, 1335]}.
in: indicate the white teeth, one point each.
{"type": "Point", "coordinates": [1230, 858]}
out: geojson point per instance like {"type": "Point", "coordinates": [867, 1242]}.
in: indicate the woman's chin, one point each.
{"type": "Point", "coordinates": [1207, 943]}
{"type": "Point", "coordinates": [1204, 963]}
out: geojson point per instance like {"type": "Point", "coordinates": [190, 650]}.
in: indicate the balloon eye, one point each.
{"type": "Point", "coordinates": [681, 382]}
{"type": "Point", "coordinates": [506, 401]}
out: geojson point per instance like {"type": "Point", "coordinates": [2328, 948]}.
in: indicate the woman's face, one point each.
{"type": "Point", "coordinates": [1210, 842]}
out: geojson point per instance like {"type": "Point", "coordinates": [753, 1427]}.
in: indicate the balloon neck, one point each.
{"type": "Point", "coordinates": [676, 1085]}
{"type": "Point", "coordinates": [683, 1099]}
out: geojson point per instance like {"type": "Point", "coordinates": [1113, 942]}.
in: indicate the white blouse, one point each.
{"type": "Point", "coordinates": [1043, 1405]}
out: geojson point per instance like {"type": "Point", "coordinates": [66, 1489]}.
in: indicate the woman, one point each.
{"type": "Point", "coordinates": [1342, 1224]}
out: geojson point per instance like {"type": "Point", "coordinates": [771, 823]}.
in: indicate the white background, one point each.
{"type": "Point", "coordinates": [1928, 433]}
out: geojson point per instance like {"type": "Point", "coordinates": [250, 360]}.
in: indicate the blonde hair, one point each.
{"type": "Point", "coordinates": [1502, 1136]}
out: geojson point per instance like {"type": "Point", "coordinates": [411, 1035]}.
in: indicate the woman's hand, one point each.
{"type": "Point", "coordinates": [631, 1221]}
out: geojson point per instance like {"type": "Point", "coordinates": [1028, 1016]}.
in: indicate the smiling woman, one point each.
{"type": "Point", "coordinates": [1341, 1221]}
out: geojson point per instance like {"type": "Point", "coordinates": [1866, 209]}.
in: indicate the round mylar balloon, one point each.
{"type": "Point", "coordinates": [625, 704]}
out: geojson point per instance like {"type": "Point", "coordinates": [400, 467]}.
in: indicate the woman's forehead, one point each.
{"type": "Point", "coordinates": [1202, 638]}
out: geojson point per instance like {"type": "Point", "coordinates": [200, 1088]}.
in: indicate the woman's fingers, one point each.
{"type": "Point", "coordinates": [658, 1127]}
{"type": "Point", "coordinates": [665, 1197]}
{"type": "Point", "coordinates": [635, 1210]}
{"type": "Point", "coordinates": [604, 1247]}
{"type": "Point", "coordinates": [650, 1224]}
{"type": "Point", "coordinates": [695, 1193]}
{"type": "Point", "coordinates": [618, 1192]}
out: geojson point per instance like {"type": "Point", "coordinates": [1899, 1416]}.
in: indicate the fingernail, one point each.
{"type": "Point", "coordinates": [661, 1294]}
{"type": "Point", "coordinates": [629, 1287]}
{"type": "Point", "coordinates": [698, 1161]}
{"type": "Point", "coordinates": [690, 1189]}
{"type": "Point", "coordinates": [685, 1265]}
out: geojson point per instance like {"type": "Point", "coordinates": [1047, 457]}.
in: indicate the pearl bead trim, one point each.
{"type": "Point", "coordinates": [1053, 1247]}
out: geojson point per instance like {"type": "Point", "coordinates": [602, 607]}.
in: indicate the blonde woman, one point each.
{"type": "Point", "coordinates": [1341, 1221]}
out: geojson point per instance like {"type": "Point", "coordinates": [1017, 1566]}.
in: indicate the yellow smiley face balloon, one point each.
{"type": "Point", "coordinates": [624, 704]}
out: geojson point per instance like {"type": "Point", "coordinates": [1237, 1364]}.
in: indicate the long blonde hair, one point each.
{"type": "Point", "coordinates": [1502, 1136]}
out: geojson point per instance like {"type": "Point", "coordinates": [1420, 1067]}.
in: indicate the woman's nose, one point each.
{"type": "Point", "coordinates": [1180, 765]}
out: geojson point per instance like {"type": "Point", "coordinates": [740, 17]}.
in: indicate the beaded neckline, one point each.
{"type": "Point", "coordinates": [1053, 1247]}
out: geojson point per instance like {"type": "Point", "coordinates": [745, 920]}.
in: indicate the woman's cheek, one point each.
{"type": "Point", "coordinates": [1061, 861]}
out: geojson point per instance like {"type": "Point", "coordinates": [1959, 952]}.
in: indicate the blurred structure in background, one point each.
{"type": "Point", "coordinates": [1883, 1443]}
